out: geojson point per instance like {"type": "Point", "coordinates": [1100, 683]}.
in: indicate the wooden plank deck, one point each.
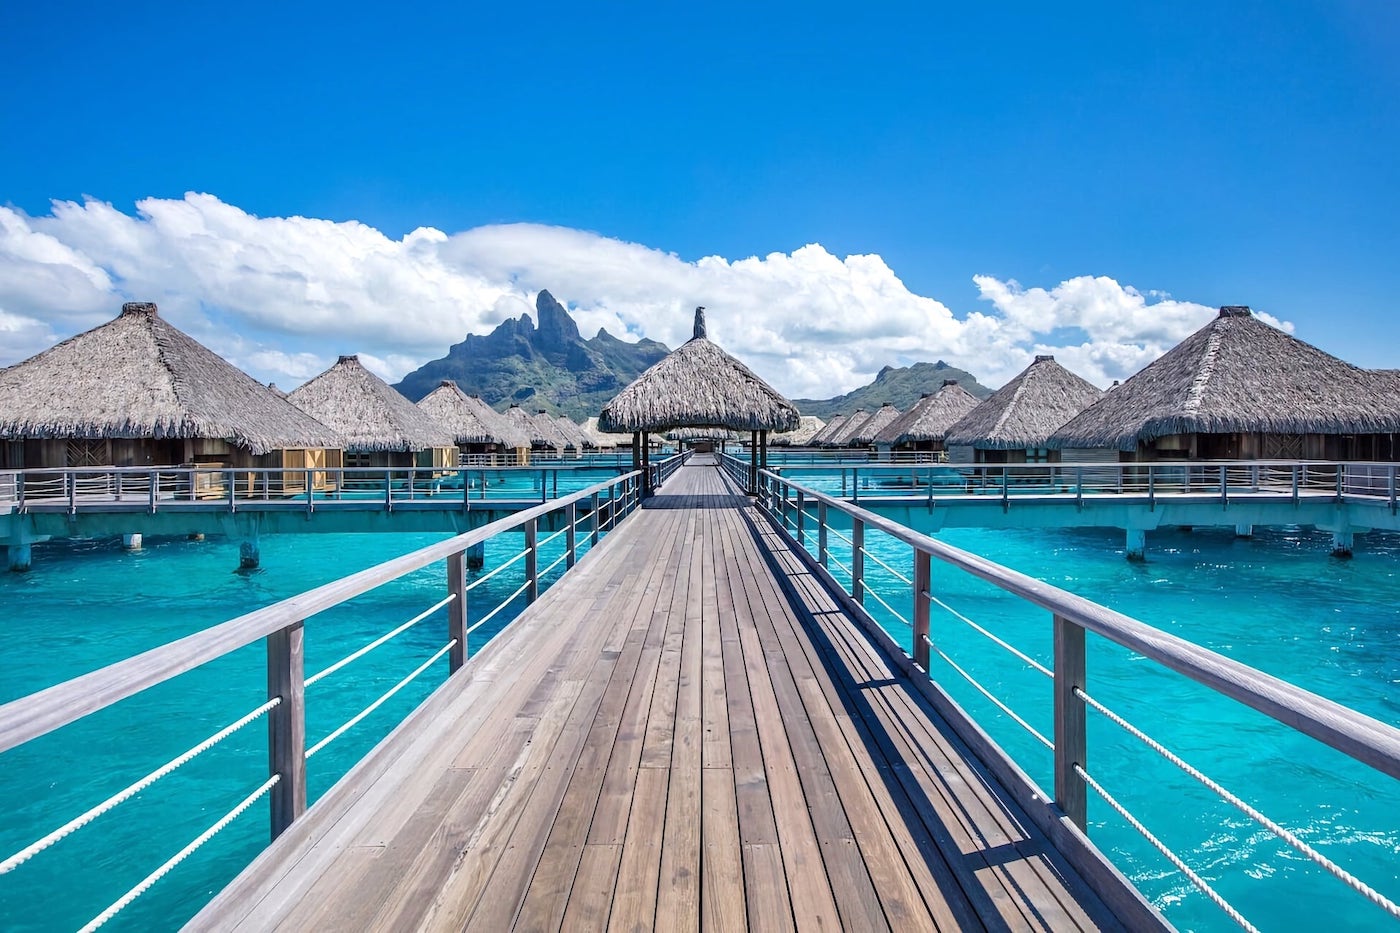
{"type": "Point", "coordinates": [671, 738]}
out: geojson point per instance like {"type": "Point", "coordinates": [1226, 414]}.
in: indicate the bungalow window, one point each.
{"type": "Point", "coordinates": [1038, 455]}
{"type": "Point", "coordinates": [357, 458]}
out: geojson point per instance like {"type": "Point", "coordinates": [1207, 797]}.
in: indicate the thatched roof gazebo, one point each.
{"type": "Point", "coordinates": [1238, 388]}
{"type": "Point", "coordinates": [698, 385]}
{"type": "Point", "coordinates": [1014, 424]}
{"type": "Point", "coordinates": [380, 426]}
{"type": "Point", "coordinates": [138, 391]}
{"type": "Point", "coordinates": [924, 426]}
{"type": "Point", "coordinates": [477, 428]}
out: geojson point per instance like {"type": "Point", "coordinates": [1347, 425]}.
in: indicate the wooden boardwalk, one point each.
{"type": "Point", "coordinates": [673, 737]}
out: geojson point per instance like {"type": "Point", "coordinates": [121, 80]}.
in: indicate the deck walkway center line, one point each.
{"type": "Point", "coordinates": [672, 737]}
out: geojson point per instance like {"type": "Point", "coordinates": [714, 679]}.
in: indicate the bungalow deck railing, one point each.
{"type": "Point", "coordinates": [96, 488]}
{"type": "Point", "coordinates": [282, 626]}
{"type": "Point", "coordinates": [1150, 481]}
{"type": "Point", "coordinates": [806, 517]}
{"type": "Point", "coordinates": [831, 455]}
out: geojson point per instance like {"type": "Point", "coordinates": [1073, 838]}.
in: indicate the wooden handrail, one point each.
{"type": "Point", "coordinates": [40, 713]}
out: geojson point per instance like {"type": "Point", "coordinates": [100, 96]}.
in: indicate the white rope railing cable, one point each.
{"type": "Point", "coordinates": [121, 903]}
{"type": "Point", "coordinates": [988, 694]}
{"type": "Point", "coordinates": [28, 852]}
{"type": "Point", "coordinates": [550, 537]}
{"type": "Point", "coordinates": [1201, 884]}
{"type": "Point", "coordinates": [555, 563]}
{"type": "Point", "coordinates": [895, 573]}
{"type": "Point", "coordinates": [504, 603]}
{"type": "Point", "coordinates": [1009, 647]}
{"type": "Point", "coordinates": [1341, 874]}
{"type": "Point", "coordinates": [382, 700]}
{"type": "Point", "coordinates": [840, 566]}
{"type": "Point", "coordinates": [486, 576]}
{"type": "Point", "coordinates": [355, 656]}
{"type": "Point", "coordinates": [839, 536]}
{"type": "Point", "coordinates": [892, 610]}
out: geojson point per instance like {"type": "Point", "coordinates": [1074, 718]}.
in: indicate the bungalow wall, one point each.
{"type": "Point", "coordinates": [1261, 446]}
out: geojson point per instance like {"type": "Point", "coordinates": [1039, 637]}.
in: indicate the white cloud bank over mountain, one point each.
{"type": "Point", "coordinates": [283, 296]}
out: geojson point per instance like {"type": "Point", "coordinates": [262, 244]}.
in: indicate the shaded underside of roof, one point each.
{"type": "Point", "coordinates": [1238, 375]}
{"type": "Point", "coordinates": [699, 385]}
{"type": "Point", "coordinates": [1024, 413]}
{"type": "Point", "coordinates": [139, 376]}
{"type": "Point", "coordinates": [367, 412]}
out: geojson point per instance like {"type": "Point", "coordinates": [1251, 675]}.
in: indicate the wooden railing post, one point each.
{"type": "Point", "coordinates": [858, 559]}
{"type": "Point", "coordinates": [1071, 743]}
{"type": "Point", "coordinates": [570, 535]}
{"type": "Point", "coordinates": [922, 585]}
{"type": "Point", "coordinates": [286, 725]}
{"type": "Point", "coordinates": [457, 610]}
{"type": "Point", "coordinates": [822, 554]}
{"type": "Point", "coordinates": [532, 563]}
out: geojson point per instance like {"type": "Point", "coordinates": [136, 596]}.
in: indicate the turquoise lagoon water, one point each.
{"type": "Point", "coordinates": [1276, 601]}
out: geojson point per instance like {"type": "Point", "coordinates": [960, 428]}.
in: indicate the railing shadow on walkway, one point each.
{"type": "Point", "coordinates": [707, 501]}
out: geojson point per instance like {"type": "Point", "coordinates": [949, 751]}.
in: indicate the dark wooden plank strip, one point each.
{"type": "Point", "coordinates": [722, 864]}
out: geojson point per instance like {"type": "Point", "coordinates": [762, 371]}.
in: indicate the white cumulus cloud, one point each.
{"type": "Point", "coordinates": [283, 296]}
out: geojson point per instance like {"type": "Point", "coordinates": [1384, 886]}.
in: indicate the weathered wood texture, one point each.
{"type": "Point", "coordinates": [672, 737]}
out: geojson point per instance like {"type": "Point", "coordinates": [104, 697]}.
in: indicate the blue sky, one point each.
{"type": "Point", "coordinates": [1011, 179]}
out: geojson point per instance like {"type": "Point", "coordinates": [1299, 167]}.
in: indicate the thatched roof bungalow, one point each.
{"type": "Point", "coordinates": [698, 385]}
{"type": "Point", "coordinates": [138, 391]}
{"type": "Point", "coordinates": [833, 426]}
{"type": "Point", "coordinates": [482, 434]}
{"type": "Point", "coordinates": [842, 436]}
{"type": "Point", "coordinates": [544, 437]}
{"type": "Point", "coordinates": [880, 419]}
{"type": "Point", "coordinates": [1240, 389]}
{"type": "Point", "coordinates": [381, 428]}
{"type": "Point", "coordinates": [924, 426]}
{"type": "Point", "coordinates": [809, 428]}
{"type": "Point", "coordinates": [1014, 424]}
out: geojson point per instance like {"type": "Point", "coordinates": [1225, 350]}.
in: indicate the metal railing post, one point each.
{"type": "Point", "coordinates": [1071, 744]}
{"type": "Point", "coordinates": [310, 493]}
{"type": "Point", "coordinates": [231, 478]}
{"type": "Point", "coordinates": [286, 725]}
{"type": "Point", "coordinates": [532, 563]}
{"type": "Point", "coordinates": [388, 489]}
{"type": "Point", "coordinates": [457, 610]}
{"type": "Point", "coordinates": [922, 585]}
{"type": "Point", "coordinates": [1224, 487]}
{"type": "Point", "coordinates": [858, 559]}
{"type": "Point", "coordinates": [72, 492]}
{"type": "Point", "coordinates": [1392, 489]}
{"type": "Point", "coordinates": [801, 515]}
{"type": "Point", "coordinates": [1151, 489]}
{"type": "Point", "coordinates": [154, 478]}
{"type": "Point", "coordinates": [593, 535]}
{"type": "Point", "coordinates": [570, 536]}
{"type": "Point", "coordinates": [822, 555]}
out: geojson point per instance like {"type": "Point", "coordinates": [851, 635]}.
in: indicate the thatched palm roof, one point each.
{"type": "Point", "coordinates": [540, 434]}
{"type": "Point", "coordinates": [931, 416]}
{"type": "Point", "coordinates": [842, 436]}
{"type": "Point", "coordinates": [1024, 413]}
{"type": "Point", "coordinates": [833, 426]}
{"type": "Point", "coordinates": [140, 377]}
{"type": "Point", "coordinates": [698, 385]}
{"type": "Point", "coordinates": [809, 428]}
{"type": "Point", "coordinates": [470, 420]}
{"type": "Point", "coordinates": [369, 413]}
{"type": "Point", "coordinates": [575, 435]}
{"type": "Point", "coordinates": [881, 418]}
{"type": "Point", "coordinates": [688, 435]}
{"type": "Point", "coordinates": [599, 438]}
{"type": "Point", "coordinates": [1236, 375]}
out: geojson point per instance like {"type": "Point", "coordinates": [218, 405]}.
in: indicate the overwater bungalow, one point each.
{"type": "Point", "coordinates": [698, 385]}
{"type": "Point", "coordinates": [1241, 389]}
{"type": "Point", "coordinates": [483, 435]}
{"type": "Point", "coordinates": [801, 436]}
{"type": "Point", "coordinates": [545, 439]}
{"type": "Point", "coordinates": [836, 424]}
{"type": "Point", "coordinates": [381, 427]}
{"type": "Point", "coordinates": [923, 427]}
{"type": "Point", "coordinates": [600, 439]}
{"type": "Point", "coordinates": [841, 437]}
{"type": "Point", "coordinates": [879, 419]}
{"type": "Point", "coordinates": [576, 436]}
{"type": "Point", "coordinates": [138, 391]}
{"type": "Point", "coordinates": [1015, 423]}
